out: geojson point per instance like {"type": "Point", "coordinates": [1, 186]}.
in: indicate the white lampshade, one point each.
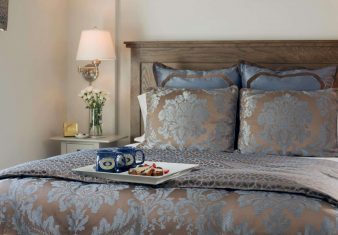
{"type": "Point", "coordinates": [95, 45]}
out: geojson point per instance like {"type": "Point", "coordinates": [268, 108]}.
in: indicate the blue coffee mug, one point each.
{"type": "Point", "coordinates": [110, 161]}
{"type": "Point", "coordinates": [130, 155]}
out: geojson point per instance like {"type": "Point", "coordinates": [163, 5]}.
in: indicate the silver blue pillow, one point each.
{"type": "Point", "coordinates": [295, 123]}
{"type": "Point", "coordinates": [190, 79]}
{"type": "Point", "coordinates": [300, 79]}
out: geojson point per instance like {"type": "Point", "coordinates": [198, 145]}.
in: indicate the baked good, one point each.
{"type": "Point", "coordinates": [147, 170]}
{"type": "Point", "coordinates": [138, 170]}
{"type": "Point", "coordinates": [158, 171]}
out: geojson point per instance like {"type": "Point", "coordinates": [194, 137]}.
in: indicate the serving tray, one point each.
{"type": "Point", "coordinates": [175, 170]}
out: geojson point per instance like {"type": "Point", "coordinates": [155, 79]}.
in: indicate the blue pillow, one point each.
{"type": "Point", "coordinates": [300, 79]}
{"type": "Point", "coordinates": [212, 79]}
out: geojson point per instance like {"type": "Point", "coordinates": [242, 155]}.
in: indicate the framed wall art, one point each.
{"type": "Point", "coordinates": [3, 14]}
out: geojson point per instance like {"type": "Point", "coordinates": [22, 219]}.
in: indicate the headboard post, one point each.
{"type": "Point", "coordinates": [204, 55]}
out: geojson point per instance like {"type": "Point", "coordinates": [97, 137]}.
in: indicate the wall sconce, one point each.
{"type": "Point", "coordinates": [95, 45]}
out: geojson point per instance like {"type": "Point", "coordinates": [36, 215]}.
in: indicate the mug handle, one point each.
{"type": "Point", "coordinates": [143, 157]}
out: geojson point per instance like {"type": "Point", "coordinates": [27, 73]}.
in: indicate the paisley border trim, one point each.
{"type": "Point", "coordinates": [256, 76]}
{"type": "Point", "coordinates": [182, 75]}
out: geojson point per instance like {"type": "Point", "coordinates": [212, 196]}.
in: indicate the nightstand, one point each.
{"type": "Point", "coordinates": [72, 144]}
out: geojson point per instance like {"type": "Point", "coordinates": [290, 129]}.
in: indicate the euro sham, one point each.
{"type": "Point", "coordinates": [191, 119]}
{"type": "Point", "coordinates": [301, 79]}
{"type": "Point", "coordinates": [302, 123]}
{"type": "Point", "coordinates": [212, 79]}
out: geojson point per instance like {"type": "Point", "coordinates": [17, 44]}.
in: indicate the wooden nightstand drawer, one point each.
{"type": "Point", "coordinates": [70, 144]}
{"type": "Point", "coordinates": [72, 147]}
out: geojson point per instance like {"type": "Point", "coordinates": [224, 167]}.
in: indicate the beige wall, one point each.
{"type": "Point", "coordinates": [85, 14]}
{"type": "Point", "coordinates": [32, 79]}
{"type": "Point", "coordinates": [39, 79]}
{"type": "Point", "coordinates": [217, 20]}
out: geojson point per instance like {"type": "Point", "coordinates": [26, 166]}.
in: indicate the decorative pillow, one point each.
{"type": "Point", "coordinates": [302, 123]}
{"type": "Point", "coordinates": [140, 139]}
{"type": "Point", "coordinates": [260, 78]}
{"type": "Point", "coordinates": [190, 79]}
{"type": "Point", "coordinates": [142, 101]}
{"type": "Point", "coordinates": [191, 119]}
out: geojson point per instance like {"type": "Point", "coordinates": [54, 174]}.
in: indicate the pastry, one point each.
{"type": "Point", "coordinates": [138, 170]}
{"type": "Point", "coordinates": [147, 170]}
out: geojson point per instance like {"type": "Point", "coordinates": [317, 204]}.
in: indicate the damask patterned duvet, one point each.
{"type": "Point", "coordinates": [230, 193]}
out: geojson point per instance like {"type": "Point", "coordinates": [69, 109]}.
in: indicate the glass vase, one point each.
{"type": "Point", "coordinates": [95, 122]}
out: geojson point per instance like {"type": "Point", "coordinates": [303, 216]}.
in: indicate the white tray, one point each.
{"type": "Point", "coordinates": [175, 170]}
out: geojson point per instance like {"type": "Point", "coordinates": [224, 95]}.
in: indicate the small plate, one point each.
{"type": "Point", "coordinates": [81, 136]}
{"type": "Point", "coordinates": [175, 170]}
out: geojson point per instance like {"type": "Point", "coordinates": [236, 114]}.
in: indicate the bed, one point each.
{"type": "Point", "coordinates": [230, 193]}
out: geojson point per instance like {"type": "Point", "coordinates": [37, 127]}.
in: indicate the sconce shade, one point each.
{"type": "Point", "coordinates": [95, 45]}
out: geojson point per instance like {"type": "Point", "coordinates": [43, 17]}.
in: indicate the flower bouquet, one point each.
{"type": "Point", "coordinates": [94, 100]}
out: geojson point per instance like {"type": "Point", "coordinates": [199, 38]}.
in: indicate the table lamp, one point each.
{"type": "Point", "coordinates": [95, 45]}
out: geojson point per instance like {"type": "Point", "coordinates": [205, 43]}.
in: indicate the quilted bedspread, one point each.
{"type": "Point", "coordinates": [230, 193]}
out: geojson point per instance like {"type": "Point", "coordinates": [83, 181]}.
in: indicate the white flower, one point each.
{"type": "Point", "coordinates": [88, 89]}
{"type": "Point", "coordinates": [82, 93]}
{"type": "Point", "coordinates": [93, 97]}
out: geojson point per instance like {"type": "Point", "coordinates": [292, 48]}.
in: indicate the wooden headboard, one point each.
{"type": "Point", "coordinates": [203, 55]}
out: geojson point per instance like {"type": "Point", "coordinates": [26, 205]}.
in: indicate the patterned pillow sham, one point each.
{"type": "Point", "coordinates": [301, 79]}
{"type": "Point", "coordinates": [212, 79]}
{"type": "Point", "coordinates": [191, 119]}
{"type": "Point", "coordinates": [302, 123]}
